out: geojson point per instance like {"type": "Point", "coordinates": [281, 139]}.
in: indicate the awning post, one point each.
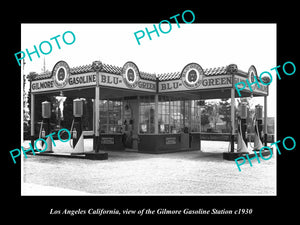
{"type": "Point", "coordinates": [265, 121]}
{"type": "Point", "coordinates": [232, 119]}
{"type": "Point", "coordinates": [32, 120]}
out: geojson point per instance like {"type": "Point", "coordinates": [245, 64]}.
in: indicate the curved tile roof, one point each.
{"type": "Point", "coordinates": [216, 71]}
{"type": "Point", "coordinates": [207, 72]}
{"type": "Point", "coordinates": [81, 69]}
{"type": "Point", "coordinates": [169, 76]}
{"type": "Point", "coordinates": [147, 76]}
{"type": "Point", "coordinates": [144, 75]}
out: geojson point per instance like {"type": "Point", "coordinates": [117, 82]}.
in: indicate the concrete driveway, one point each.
{"type": "Point", "coordinates": [131, 173]}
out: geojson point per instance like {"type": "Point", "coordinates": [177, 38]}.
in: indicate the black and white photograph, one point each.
{"type": "Point", "coordinates": [170, 115]}
{"type": "Point", "coordinates": [132, 112]}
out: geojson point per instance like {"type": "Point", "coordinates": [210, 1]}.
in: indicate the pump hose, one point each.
{"type": "Point", "coordinates": [71, 140]}
{"type": "Point", "coordinates": [40, 133]}
{"type": "Point", "coordinates": [252, 125]}
{"type": "Point", "coordinates": [249, 138]}
{"type": "Point", "coordinates": [240, 131]}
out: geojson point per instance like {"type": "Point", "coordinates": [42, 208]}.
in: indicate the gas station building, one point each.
{"type": "Point", "coordinates": [145, 112]}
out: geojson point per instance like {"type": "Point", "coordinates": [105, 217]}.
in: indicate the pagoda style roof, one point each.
{"type": "Point", "coordinates": [215, 71]}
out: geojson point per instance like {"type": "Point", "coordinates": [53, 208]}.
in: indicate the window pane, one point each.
{"type": "Point", "coordinates": [110, 115]}
{"type": "Point", "coordinates": [146, 114]}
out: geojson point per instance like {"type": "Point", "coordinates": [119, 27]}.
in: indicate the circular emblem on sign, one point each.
{"type": "Point", "coordinates": [251, 73]}
{"type": "Point", "coordinates": [60, 74]}
{"type": "Point", "coordinates": [130, 74]}
{"type": "Point", "coordinates": [192, 75]}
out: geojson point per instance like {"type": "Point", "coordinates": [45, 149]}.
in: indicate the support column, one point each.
{"type": "Point", "coordinates": [190, 108]}
{"type": "Point", "coordinates": [183, 101]}
{"type": "Point", "coordinates": [265, 121]}
{"type": "Point", "coordinates": [138, 115]}
{"type": "Point", "coordinates": [169, 101]}
{"type": "Point", "coordinates": [232, 119]}
{"type": "Point", "coordinates": [94, 114]}
{"type": "Point", "coordinates": [32, 118]}
{"type": "Point", "coordinates": [97, 116]}
{"type": "Point", "coordinates": [200, 127]}
{"type": "Point", "coordinates": [156, 114]}
{"type": "Point", "coordinates": [200, 114]}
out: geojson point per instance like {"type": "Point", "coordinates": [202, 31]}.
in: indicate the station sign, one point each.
{"type": "Point", "coordinates": [203, 82]}
{"type": "Point", "coordinates": [207, 82]}
{"type": "Point", "coordinates": [62, 79]}
{"type": "Point", "coordinates": [107, 79]}
{"type": "Point", "coordinates": [53, 83]}
{"type": "Point", "coordinates": [192, 78]}
{"type": "Point", "coordinates": [90, 79]}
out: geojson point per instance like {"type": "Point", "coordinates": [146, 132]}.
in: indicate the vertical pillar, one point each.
{"type": "Point", "coordinates": [183, 103]}
{"type": "Point", "coordinates": [107, 116]}
{"type": "Point", "coordinates": [200, 114]}
{"type": "Point", "coordinates": [190, 115]}
{"type": "Point", "coordinates": [97, 116]}
{"type": "Point", "coordinates": [156, 114]}
{"type": "Point", "coordinates": [122, 113]}
{"type": "Point", "coordinates": [200, 125]}
{"type": "Point", "coordinates": [135, 125]}
{"type": "Point", "coordinates": [32, 119]}
{"type": "Point", "coordinates": [138, 115]}
{"type": "Point", "coordinates": [97, 67]}
{"type": "Point", "coordinates": [232, 119]}
{"type": "Point", "coordinates": [265, 121]}
{"type": "Point", "coordinates": [94, 114]}
{"type": "Point", "coordinates": [169, 101]}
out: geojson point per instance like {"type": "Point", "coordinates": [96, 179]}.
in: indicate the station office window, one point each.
{"type": "Point", "coordinates": [195, 116]}
{"type": "Point", "coordinates": [110, 116]}
{"type": "Point", "coordinates": [146, 114]}
{"type": "Point", "coordinates": [176, 115]}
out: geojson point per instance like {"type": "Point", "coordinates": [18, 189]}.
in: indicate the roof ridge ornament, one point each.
{"type": "Point", "coordinates": [232, 68]}
{"type": "Point", "coordinates": [97, 65]}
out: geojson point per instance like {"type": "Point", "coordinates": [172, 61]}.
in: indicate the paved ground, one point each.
{"type": "Point", "coordinates": [201, 173]}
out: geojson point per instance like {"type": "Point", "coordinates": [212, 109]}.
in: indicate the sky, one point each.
{"type": "Point", "coordinates": [209, 45]}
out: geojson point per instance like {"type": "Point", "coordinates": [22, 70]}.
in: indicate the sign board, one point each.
{"type": "Point", "coordinates": [112, 80]}
{"type": "Point", "coordinates": [62, 79]}
{"type": "Point", "coordinates": [192, 78]}
{"type": "Point", "coordinates": [263, 89]}
{"type": "Point", "coordinates": [170, 140]}
{"type": "Point", "coordinates": [129, 79]}
{"type": "Point", "coordinates": [51, 84]}
{"type": "Point", "coordinates": [209, 82]}
{"type": "Point", "coordinates": [107, 140]}
{"type": "Point", "coordinates": [205, 82]}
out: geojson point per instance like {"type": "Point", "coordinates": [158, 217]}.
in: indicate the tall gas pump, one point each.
{"type": "Point", "coordinates": [76, 127]}
{"type": "Point", "coordinates": [258, 127]}
{"type": "Point", "coordinates": [242, 144]}
{"type": "Point", "coordinates": [45, 128]}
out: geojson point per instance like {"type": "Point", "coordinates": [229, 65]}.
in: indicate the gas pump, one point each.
{"type": "Point", "coordinates": [242, 144]}
{"type": "Point", "coordinates": [45, 128]}
{"type": "Point", "coordinates": [258, 128]}
{"type": "Point", "coordinates": [77, 140]}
